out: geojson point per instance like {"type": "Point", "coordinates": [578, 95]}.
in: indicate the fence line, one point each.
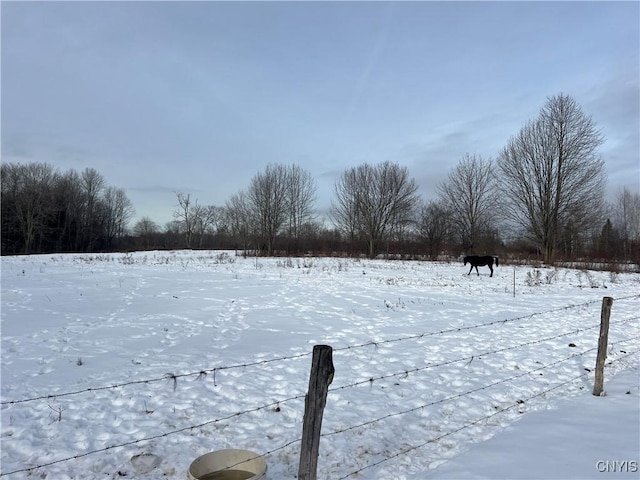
{"type": "Point", "coordinates": [475, 390]}
{"type": "Point", "coordinates": [475, 422]}
{"type": "Point", "coordinates": [168, 376]}
{"type": "Point", "coordinates": [370, 380]}
{"type": "Point", "coordinates": [453, 397]}
{"type": "Point", "coordinates": [458, 395]}
{"type": "Point", "coordinates": [206, 371]}
{"type": "Point", "coordinates": [465, 359]}
{"type": "Point", "coordinates": [470, 327]}
{"type": "Point", "coordinates": [517, 403]}
{"type": "Point", "coordinates": [406, 372]}
{"type": "Point", "coordinates": [154, 437]}
{"type": "Point", "coordinates": [436, 439]}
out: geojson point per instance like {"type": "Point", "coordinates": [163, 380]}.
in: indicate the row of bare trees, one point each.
{"type": "Point", "coordinates": [277, 203]}
{"type": "Point", "coordinates": [45, 210]}
{"type": "Point", "coordinates": [546, 189]}
{"type": "Point", "coordinates": [543, 194]}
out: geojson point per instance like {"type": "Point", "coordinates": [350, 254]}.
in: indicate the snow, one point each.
{"type": "Point", "coordinates": [585, 437]}
{"type": "Point", "coordinates": [133, 365]}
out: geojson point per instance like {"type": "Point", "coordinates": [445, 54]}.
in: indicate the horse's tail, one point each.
{"type": "Point", "coordinates": [496, 259]}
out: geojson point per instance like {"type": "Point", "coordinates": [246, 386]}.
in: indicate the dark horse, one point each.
{"type": "Point", "coordinates": [477, 261]}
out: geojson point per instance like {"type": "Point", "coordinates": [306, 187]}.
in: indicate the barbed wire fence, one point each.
{"type": "Point", "coordinates": [213, 370]}
{"type": "Point", "coordinates": [467, 359]}
{"type": "Point", "coordinates": [515, 404]}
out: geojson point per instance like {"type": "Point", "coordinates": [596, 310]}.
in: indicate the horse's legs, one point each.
{"type": "Point", "coordinates": [491, 268]}
{"type": "Point", "coordinates": [477, 271]}
{"type": "Point", "coordinates": [470, 270]}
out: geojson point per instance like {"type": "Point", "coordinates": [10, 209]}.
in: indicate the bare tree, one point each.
{"type": "Point", "coordinates": [626, 215]}
{"type": "Point", "coordinates": [69, 209]}
{"type": "Point", "coordinates": [184, 216]}
{"type": "Point", "coordinates": [470, 196]}
{"type": "Point", "coordinates": [206, 218]}
{"type": "Point", "coordinates": [267, 201]}
{"type": "Point", "coordinates": [552, 175]}
{"type": "Point", "coordinates": [236, 220]}
{"type": "Point", "coordinates": [301, 192]}
{"type": "Point", "coordinates": [118, 210]}
{"type": "Point", "coordinates": [195, 220]}
{"type": "Point", "coordinates": [92, 184]}
{"type": "Point", "coordinates": [27, 196]}
{"type": "Point", "coordinates": [344, 211]}
{"type": "Point", "coordinates": [146, 229]}
{"type": "Point", "coordinates": [435, 226]}
{"type": "Point", "coordinates": [372, 201]}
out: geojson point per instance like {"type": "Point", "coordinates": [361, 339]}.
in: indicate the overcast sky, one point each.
{"type": "Point", "coordinates": [199, 97]}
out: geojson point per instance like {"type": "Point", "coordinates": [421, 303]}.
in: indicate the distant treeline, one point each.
{"type": "Point", "coordinates": [542, 199]}
{"type": "Point", "coordinates": [46, 211]}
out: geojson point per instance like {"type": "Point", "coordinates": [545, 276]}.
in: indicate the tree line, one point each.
{"type": "Point", "coordinates": [543, 196]}
{"type": "Point", "coordinates": [44, 210]}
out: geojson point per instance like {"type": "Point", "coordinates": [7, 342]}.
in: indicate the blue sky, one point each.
{"type": "Point", "coordinates": [198, 97]}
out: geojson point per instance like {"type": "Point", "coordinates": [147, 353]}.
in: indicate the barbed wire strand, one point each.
{"type": "Point", "coordinates": [201, 425]}
{"type": "Point", "coordinates": [237, 414]}
{"type": "Point", "coordinates": [153, 437]}
{"type": "Point", "coordinates": [458, 395]}
{"type": "Point", "coordinates": [475, 422]}
{"type": "Point", "coordinates": [479, 325]}
{"type": "Point", "coordinates": [443, 400]}
{"type": "Point", "coordinates": [462, 359]}
{"type": "Point", "coordinates": [519, 402]}
{"type": "Point", "coordinates": [168, 376]}
{"type": "Point", "coordinates": [200, 373]}
{"type": "Point", "coordinates": [485, 387]}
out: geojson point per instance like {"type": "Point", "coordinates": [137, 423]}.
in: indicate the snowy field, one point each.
{"type": "Point", "coordinates": [133, 365]}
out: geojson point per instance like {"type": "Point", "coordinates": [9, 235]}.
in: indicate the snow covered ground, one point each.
{"type": "Point", "coordinates": [438, 375]}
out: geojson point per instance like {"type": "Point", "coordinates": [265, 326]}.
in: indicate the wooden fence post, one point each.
{"type": "Point", "coordinates": [321, 377]}
{"type": "Point", "coordinates": [598, 387]}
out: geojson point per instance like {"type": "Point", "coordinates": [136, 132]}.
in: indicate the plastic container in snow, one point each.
{"type": "Point", "coordinates": [230, 464]}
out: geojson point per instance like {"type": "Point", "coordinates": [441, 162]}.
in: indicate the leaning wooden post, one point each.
{"type": "Point", "coordinates": [602, 345]}
{"type": "Point", "coordinates": [321, 377]}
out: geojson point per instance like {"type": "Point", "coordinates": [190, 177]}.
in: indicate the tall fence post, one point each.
{"type": "Point", "coordinates": [321, 377]}
{"type": "Point", "coordinates": [603, 341]}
